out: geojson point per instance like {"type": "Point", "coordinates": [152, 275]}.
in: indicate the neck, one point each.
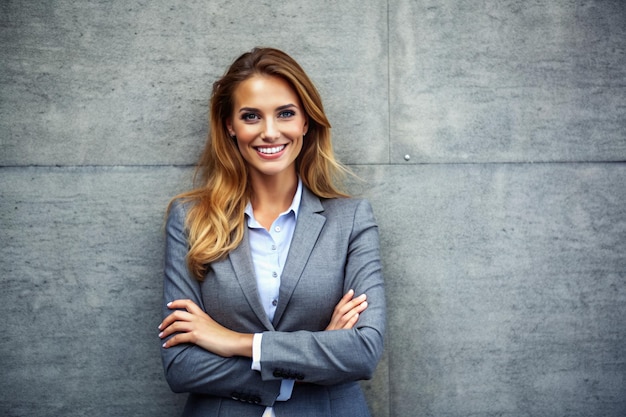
{"type": "Point", "coordinates": [272, 195]}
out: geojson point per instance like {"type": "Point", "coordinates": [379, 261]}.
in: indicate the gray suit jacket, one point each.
{"type": "Point", "coordinates": [334, 248]}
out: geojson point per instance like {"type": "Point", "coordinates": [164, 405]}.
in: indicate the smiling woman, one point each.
{"type": "Point", "coordinates": [273, 293]}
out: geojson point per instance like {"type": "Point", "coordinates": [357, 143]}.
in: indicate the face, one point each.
{"type": "Point", "coordinates": [269, 123]}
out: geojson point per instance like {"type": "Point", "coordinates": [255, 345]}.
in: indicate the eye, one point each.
{"type": "Point", "coordinates": [285, 114]}
{"type": "Point", "coordinates": [249, 117]}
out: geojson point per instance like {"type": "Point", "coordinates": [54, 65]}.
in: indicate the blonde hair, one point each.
{"type": "Point", "coordinates": [215, 221]}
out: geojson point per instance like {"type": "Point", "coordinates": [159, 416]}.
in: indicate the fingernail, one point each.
{"type": "Point", "coordinates": [161, 334]}
{"type": "Point", "coordinates": [160, 326]}
{"type": "Point", "coordinates": [164, 345]}
{"type": "Point", "coordinates": [364, 304]}
{"type": "Point", "coordinates": [169, 304]}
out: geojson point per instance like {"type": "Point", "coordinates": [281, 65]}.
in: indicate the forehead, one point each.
{"type": "Point", "coordinates": [264, 90]}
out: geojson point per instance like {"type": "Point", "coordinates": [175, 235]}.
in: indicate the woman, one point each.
{"type": "Point", "coordinates": [273, 293]}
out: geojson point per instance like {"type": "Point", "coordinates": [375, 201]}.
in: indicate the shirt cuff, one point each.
{"type": "Point", "coordinates": [256, 351]}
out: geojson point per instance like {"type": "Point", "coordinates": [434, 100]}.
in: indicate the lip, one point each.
{"type": "Point", "coordinates": [275, 154]}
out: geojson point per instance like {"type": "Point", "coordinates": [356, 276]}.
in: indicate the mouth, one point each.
{"type": "Point", "coordinates": [272, 150]}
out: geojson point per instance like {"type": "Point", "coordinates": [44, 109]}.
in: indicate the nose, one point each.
{"type": "Point", "coordinates": [270, 131]}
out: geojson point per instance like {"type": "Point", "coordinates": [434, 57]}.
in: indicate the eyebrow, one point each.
{"type": "Point", "coordinates": [279, 108]}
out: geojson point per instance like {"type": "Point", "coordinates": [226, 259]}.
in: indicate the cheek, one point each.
{"type": "Point", "coordinates": [300, 144]}
{"type": "Point", "coordinates": [243, 148]}
{"type": "Point", "coordinates": [241, 141]}
{"type": "Point", "coordinates": [245, 134]}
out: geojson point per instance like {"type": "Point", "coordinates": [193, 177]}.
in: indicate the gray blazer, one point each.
{"type": "Point", "coordinates": [334, 248]}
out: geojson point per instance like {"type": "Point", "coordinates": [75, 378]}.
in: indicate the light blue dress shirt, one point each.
{"type": "Point", "coordinates": [269, 250]}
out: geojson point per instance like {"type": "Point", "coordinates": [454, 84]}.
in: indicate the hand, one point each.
{"type": "Point", "coordinates": [190, 324]}
{"type": "Point", "coordinates": [347, 310]}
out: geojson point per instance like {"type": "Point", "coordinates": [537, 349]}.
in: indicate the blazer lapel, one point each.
{"type": "Point", "coordinates": [308, 227]}
{"type": "Point", "coordinates": [241, 260]}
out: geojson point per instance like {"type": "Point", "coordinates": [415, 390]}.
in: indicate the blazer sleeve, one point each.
{"type": "Point", "coordinates": [190, 368]}
{"type": "Point", "coordinates": [331, 357]}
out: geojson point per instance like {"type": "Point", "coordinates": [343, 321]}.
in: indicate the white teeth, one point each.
{"type": "Point", "coordinates": [270, 151]}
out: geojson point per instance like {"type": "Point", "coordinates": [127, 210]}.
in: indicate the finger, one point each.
{"type": "Point", "coordinates": [350, 324]}
{"type": "Point", "coordinates": [347, 306]}
{"type": "Point", "coordinates": [351, 304]}
{"type": "Point", "coordinates": [361, 307]}
{"type": "Point", "coordinates": [344, 300]}
{"type": "Point", "coordinates": [178, 315]}
{"type": "Point", "coordinates": [358, 309]}
{"type": "Point", "coordinates": [187, 304]}
{"type": "Point", "coordinates": [178, 339]}
{"type": "Point", "coordinates": [176, 327]}
{"type": "Point", "coordinates": [167, 330]}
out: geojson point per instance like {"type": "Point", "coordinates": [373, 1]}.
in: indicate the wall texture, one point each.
{"type": "Point", "coordinates": [490, 137]}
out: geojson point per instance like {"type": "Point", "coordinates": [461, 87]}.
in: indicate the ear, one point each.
{"type": "Point", "coordinates": [305, 128]}
{"type": "Point", "coordinates": [229, 127]}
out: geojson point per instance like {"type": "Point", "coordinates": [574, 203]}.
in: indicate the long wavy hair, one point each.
{"type": "Point", "coordinates": [215, 221]}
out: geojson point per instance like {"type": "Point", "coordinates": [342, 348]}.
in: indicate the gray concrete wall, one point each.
{"type": "Point", "coordinates": [491, 138]}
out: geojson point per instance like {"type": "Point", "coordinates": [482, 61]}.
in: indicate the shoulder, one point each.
{"type": "Point", "coordinates": [177, 208]}
{"type": "Point", "coordinates": [356, 210]}
{"type": "Point", "coordinates": [344, 204]}
{"type": "Point", "coordinates": [340, 208]}
{"type": "Point", "coordinates": [182, 204]}
{"type": "Point", "coordinates": [177, 213]}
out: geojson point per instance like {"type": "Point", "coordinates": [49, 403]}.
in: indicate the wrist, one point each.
{"type": "Point", "coordinates": [244, 345]}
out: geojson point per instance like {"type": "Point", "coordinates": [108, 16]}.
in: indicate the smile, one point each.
{"type": "Point", "coordinates": [272, 150]}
